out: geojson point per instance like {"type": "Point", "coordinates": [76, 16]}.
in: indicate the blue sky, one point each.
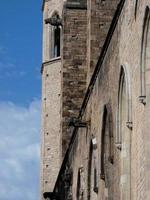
{"type": "Point", "coordinates": [20, 91]}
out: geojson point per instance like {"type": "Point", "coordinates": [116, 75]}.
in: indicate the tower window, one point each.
{"type": "Point", "coordinates": [56, 48]}
{"type": "Point", "coordinates": [54, 34]}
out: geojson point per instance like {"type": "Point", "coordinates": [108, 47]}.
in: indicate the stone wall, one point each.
{"type": "Point", "coordinates": [51, 127]}
{"type": "Point", "coordinates": [118, 165]}
{"type": "Point", "coordinates": [83, 37]}
{"type": "Point", "coordinates": [74, 65]}
{"type": "Point", "coordinates": [129, 177]}
{"type": "Point", "coordinates": [51, 152]}
{"type": "Point", "coordinates": [100, 14]}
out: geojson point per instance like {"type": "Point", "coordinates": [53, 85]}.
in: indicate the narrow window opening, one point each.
{"type": "Point", "coordinates": [124, 131]}
{"type": "Point", "coordinates": [92, 180]}
{"type": "Point", "coordinates": [89, 184]}
{"type": "Point", "coordinates": [103, 149]}
{"type": "Point", "coordinates": [79, 193]}
{"type": "Point", "coordinates": [121, 108]}
{"type": "Point", "coordinates": [95, 181]}
{"type": "Point", "coordinates": [136, 7]}
{"type": "Point", "coordinates": [54, 35]}
{"type": "Point", "coordinates": [56, 42]}
{"type": "Point", "coordinates": [107, 141]}
{"type": "Point", "coordinates": [107, 150]}
{"type": "Point", "coordinates": [78, 186]}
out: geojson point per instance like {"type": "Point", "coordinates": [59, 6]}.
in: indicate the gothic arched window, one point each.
{"type": "Point", "coordinates": [124, 131]}
{"type": "Point", "coordinates": [145, 57]}
{"type": "Point", "coordinates": [124, 115]}
{"type": "Point", "coordinates": [121, 105]}
{"type": "Point", "coordinates": [107, 140]}
{"type": "Point", "coordinates": [92, 181]}
{"type": "Point", "coordinates": [55, 34]}
{"type": "Point", "coordinates": [79, 193]}
{"type": "Point", "coordinates": [56, 47]}
{"type": "Point", "coordinates": [136, 7]}
{"type": "Point", "coordinates": [89, 172]}
{"type": "Point", "coordinates": [103, 143]}
{"type": "Point", "coordinates": [107, 150]}
{"type": "Point", "coordinates": [78, 186]}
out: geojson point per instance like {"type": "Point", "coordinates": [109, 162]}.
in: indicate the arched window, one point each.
{"type": "Point", "coordinates": [107, 145]}
{"type": "Point", "coordinates": [136, 7]}
{"type": "Point", "coordinates": [122, 105]}
{"type": "Point", "coordinates": [55, 34]}
{"type": "Point", "coordinates": [78, 186]}
{"type": "Point", "coordinates": [92, 183]}
{"type": "Point", "coordinates": [107, 140]}
{"type": "Point", "coordinates": [124, 115]}
{"type": "Point", "coordinates": [145, 57]}
{"type": "Point", "coordinates": [79, 193]}
{"type": "Point", "coordinates": [124, 132]}
{"type": "Point", "coordinates": [89, 172]}
{"type": "Point", "coordinates": [56, 47]}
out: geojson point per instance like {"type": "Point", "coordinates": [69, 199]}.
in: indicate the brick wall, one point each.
{"type": "Point", "coordinates": [74, 65]}
{"type": "Point", "coordinates": [100, 14]}
{"type": "Point", "coordinates": [84, 32]}
{"type": "Point", "coordinates": [124, 50]}
{"type": "Point", "coordinates": [51, 105]}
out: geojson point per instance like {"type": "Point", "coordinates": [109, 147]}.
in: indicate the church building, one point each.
{"type": "Point", "coordinates": [95, 135]}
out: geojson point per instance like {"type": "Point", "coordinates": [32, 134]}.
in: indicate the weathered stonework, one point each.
{"type": "Point", "coordinates": [51, 151]}
{"type": "Point", "coordinates": [103, 66]}
{"type": "Point", "coordinates": [100, 14]}
{"type": "Point", "coordinates": [74, 67]}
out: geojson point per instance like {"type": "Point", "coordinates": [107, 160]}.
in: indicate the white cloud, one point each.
{"type": "Point", "coordinates": [19, 151]}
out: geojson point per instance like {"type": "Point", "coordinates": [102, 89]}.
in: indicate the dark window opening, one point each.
{"type": "Point", "coordinates": [89, 184]}
{"type": "Point", "coordinates": [103, 145]}
{"type": "Point", "coordinates": [56, 42]}
{"type": "Point", "coordinates": [79, 193]}
{"type": "Point", "coordinates": [78, 186]}
{"type": "Point", "coordinates": [136, 7]}
{"type": "Point", "coordinates": [107, 141]}
{"type": "Point", "coordinates": [95, 181]}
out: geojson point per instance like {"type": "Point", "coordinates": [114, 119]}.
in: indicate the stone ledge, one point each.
{"type": "Point", "coordinates": [51, 61]}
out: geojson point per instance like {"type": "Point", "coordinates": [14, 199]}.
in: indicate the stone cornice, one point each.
{"type": "Point", "coordinates": [51, 61]}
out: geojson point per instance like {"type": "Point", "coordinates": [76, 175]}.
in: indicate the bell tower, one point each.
{"type": "Point", "coordinates": [51, 95]}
